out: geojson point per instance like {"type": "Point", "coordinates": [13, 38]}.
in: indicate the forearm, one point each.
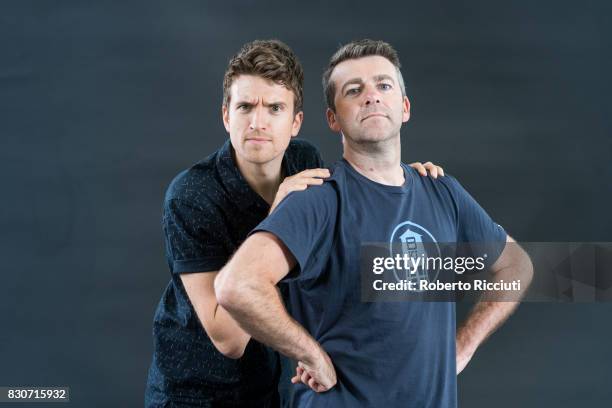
{"type": "Point", "coordinates": [246, 288]}
{"type": "Point", "coordinates": [259, 310]}
{"type": "Point", "coordinates": [495, 307]}
{"type": "Point", "coordinates": [483, 320]}
{"type": "Point", "coordinates": [226, 334]}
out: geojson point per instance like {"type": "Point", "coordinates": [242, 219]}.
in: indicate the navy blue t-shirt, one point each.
{"type": "Point", "coordinates": [386, 354]}
{"type": "Point", "coordinates": [208, 211]}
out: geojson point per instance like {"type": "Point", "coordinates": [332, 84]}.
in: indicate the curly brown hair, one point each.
{"type": "Point", "coordinates": [269, 59]}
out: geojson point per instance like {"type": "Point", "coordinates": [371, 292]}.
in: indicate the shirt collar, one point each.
{"type": "Point", "coordinates": [236, 185]}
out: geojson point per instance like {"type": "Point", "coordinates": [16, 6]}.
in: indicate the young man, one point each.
{"type": "Point", "coordinates": [391, 354]}
{"type": "Point", "coordinates": [201, 356]}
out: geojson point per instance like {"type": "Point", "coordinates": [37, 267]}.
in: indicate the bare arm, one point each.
{"type": "Point", "coordinates": [225, 333]}
{"type": "Point", "coordinates": [487, 316]}
{"type": "Point", "coordinates": [227, 336]}
{"type": "Point", "coordinates": [246, 288]}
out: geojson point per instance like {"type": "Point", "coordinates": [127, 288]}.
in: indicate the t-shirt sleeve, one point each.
{"type": "Point", "coordinates": [304, 221]}
{"type": "Point", "coordinates": [477, 233]}
{"type": "Point", "coordinates": [191, 238]}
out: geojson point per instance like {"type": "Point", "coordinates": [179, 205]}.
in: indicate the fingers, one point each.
{"type": "Point", "coordinates": [324, 173]}
{"type": "Point", "coordinates": [433, 170]}
{"type": "Point", "coordinates": [313, 384]}
{"type": "Point", "coordinates": [298, 374]}
{"type": "Point", "coordinates": [299, 184]}
{"type": "Point", "coordinates": [301, 375]}
{"type": "Point", "coordinates": [418, 166]}
{"type": "Point", "coordinates": [305, 377]}
{"type": "Point", "coordinates": [300, 181]}
{"type": "Point", "coordinates": [307, 181]}
{"type": "Point", "coordinates": [312, 181]}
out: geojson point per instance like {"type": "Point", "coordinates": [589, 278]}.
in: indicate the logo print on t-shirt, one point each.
{"type": "Point", "coordinates": [413, 240]}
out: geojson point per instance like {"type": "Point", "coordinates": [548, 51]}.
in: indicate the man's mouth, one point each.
{"type": "Point", "coordinates": [374, 115]}
{"type": "Point", "coordinates": [258, 139]}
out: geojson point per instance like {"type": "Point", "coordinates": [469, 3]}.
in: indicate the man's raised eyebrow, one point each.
{"type": "Point", "coordinates": [383, 77]}
{"type": "Point", "coordinates": [351, 82]}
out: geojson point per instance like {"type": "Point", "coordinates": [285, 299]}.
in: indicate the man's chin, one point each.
{"type": "Point", "coordinates": [372, 137]}
{"type": "Point", "coordinates": [258, 156]}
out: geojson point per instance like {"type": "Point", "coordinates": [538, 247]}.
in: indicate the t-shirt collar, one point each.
{"type": "Point", "coordinates": [404, 188]}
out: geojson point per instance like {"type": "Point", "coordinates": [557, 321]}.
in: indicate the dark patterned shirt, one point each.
{"type": "Point", "coordinates": [209, 209]}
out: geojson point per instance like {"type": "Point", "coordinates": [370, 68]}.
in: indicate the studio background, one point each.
{"type": "Point", "coordinates": [103, 104]}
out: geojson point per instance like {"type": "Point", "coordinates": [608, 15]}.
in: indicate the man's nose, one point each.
{"type": "Point", "coordinates": [258, 119]}
{"type": "Point", "coordinates": [371, 96]}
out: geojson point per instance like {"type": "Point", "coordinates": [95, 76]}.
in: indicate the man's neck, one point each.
{"type": "Point", "coordinates": [264, 178]}
{"type": "Point", "coordinates": [380, 162]}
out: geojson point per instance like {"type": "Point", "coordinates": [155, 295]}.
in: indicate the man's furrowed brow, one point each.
{"type": "Point", "coordinates": [271, 103]}
{"type": "Point", "coordinates": [245, 100]}
{"type": "Point", "coordinates": [352, 81]}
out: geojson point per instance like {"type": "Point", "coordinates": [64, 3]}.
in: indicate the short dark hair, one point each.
{"type": "Point", "coordinates": [269, 59]}
{"type": "Point", "coordinates": [354, 50]}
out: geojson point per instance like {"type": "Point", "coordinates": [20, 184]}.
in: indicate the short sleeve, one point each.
{"type": "Point", "coordinates": [475, 226]}
{"type": "Point", "coordinates": [191, 238]}
{"type": "Point", "coordinates": [304, 221]}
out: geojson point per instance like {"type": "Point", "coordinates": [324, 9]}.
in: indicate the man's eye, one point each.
{"type": "Point", "coordinates": [275, 108]}
{"type": "Point", "coordinates": [385, 87]}
{"type": "Point", "coordinates": [352, 91]}
{"type": "Point", "coordinates": [243, 107]}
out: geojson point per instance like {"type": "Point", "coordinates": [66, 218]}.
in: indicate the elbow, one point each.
{"type": "Point", "coordinates": [526, 268]}
{"type": "Point", "coordinates": [226, 291]}
{"type": "Point", "coordinates": [230, 349]}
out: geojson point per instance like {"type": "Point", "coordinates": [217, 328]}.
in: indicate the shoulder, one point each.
{"type": "Point", "coordinates": [451, 191]}
{"type": "Point", "coordinates": [303, 154]}
{"type": "Point", "coordinates": [446, 184]}
{"type": "Point", "coordinates": [301, 146]}
{"type": "Point", "coordinates": [319, 199]}
{"type": "Point", "coordinates": [456, 190]}
{"type": "Point", "coordinates": [196, 186]}
{"type": "Point", "coordinates": [446, 190]}
{"type": "Point", "coordinates": [449, 182]}
{"type": "Point", "coordinates": [324, 192]}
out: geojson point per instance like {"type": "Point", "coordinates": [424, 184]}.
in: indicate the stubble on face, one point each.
{"type": "Point", "coordinates": [259, 119]}
{"type": "Point", "coordinates": [369, 102]}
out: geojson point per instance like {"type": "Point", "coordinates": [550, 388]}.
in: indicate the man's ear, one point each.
{"type": "Point", "coordinates": [405, 109]}
{"type": "Point", "coordinates": [297, 123]}
{"type": "Point", "coordinates": [225, 116]}
{"type": "Point", "coordinates": [331, 120]}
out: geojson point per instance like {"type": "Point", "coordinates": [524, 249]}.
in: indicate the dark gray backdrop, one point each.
{"type": "Point", "coordinates": [103, 103]}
